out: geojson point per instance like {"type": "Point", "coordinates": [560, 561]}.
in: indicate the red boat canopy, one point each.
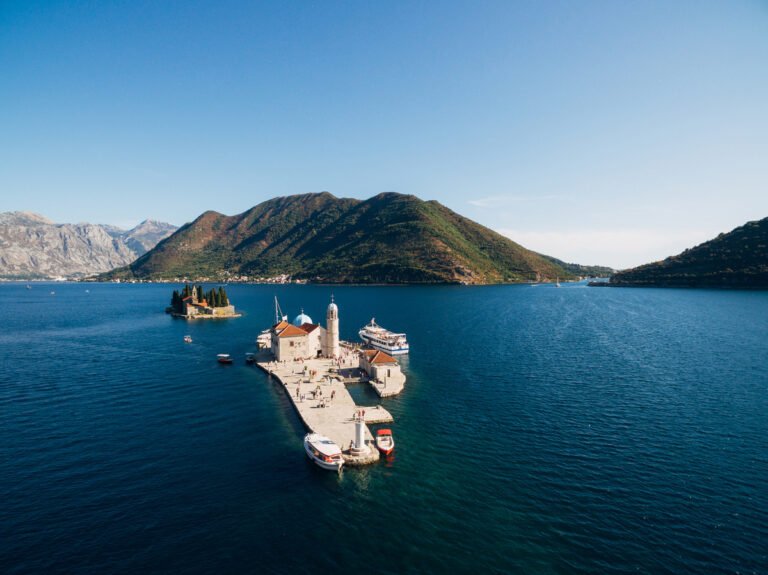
{"type": "Point", "coordinates": [384, 432]}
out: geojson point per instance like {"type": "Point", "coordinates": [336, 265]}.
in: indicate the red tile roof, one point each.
{"type": "Point", "coordinates": [380, 357]}
{"type": "Point", "coordinates": [309, 327]}
{"type": "Point", "coordinates": [292, 331]}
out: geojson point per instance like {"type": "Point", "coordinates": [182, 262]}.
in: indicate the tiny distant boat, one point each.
{"type": "Point", "coordinates": [250, 358]}
{"type": "Point", "coordinates": [383, 339]}
{"type": "Point", "coordinates": [324, 452]}
{"type": "Point", "coordinates": [557, 282]}
{"type": "Point", "coordinates": [29, 286]}
{"type": "Point", "coordinates": [384, 441]}
{"type": "Point", "coordinates": [187, 339]}
{"type": "Point", "coordinates": [224, 358]}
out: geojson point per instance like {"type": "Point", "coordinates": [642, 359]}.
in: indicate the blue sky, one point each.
{"type": "Point", "coordinates": [611, 133]}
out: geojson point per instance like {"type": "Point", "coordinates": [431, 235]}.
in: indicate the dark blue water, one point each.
{"type": "Point", "coordinates": [542, 430]}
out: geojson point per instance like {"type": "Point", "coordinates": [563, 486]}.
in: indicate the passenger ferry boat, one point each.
{"type": "Point", "coordinates": [385, 340]}
{"type": "Point", "coordinates": [324, 452]}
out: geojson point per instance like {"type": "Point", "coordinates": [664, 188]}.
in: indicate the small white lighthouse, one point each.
{"type": "Point", "coordinates": [332, 329]}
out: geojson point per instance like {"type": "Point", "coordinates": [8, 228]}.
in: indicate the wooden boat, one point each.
{"type": "Point", "coordinates": [224, 358]}
{"type": "Point", "coordinates": [187, 339]}
{"type": "Point", "coordinates": [384, 441]}
{"type": "Point", "coordinates": [324, 452]}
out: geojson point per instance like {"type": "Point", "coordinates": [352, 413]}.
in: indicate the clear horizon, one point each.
{"type": "Point", "coordinates": [598, 133]}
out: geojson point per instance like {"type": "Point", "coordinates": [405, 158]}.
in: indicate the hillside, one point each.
{"type": "Point", "coordinates": [33, 247]}
{"type": "Point", "coordinates": [390, 238]}
{"type": "Point", "coordinates": [738, 259]}
{"type": "Point", "coordinates": [582, 270]}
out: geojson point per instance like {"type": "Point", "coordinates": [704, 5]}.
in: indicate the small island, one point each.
{"type": "Point", "coordinates": [194, 303]}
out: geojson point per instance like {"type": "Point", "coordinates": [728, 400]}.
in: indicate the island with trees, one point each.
{"type": "Point", "coordinates": [194, 303]}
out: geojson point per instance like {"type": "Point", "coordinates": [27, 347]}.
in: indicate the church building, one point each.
{"type": "Point", "coordinates": [305, 340]}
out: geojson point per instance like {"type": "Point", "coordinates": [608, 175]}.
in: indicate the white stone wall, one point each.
{"type": "Point", "coordinates": [315, 342]}
{"type": "Point", "coordinates": [290, 348]}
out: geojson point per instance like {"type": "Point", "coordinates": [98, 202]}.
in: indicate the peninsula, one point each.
{"type": "Point", "coordinates": [193, 303]}
{"type": "Point", "coordinates": [735, 260]}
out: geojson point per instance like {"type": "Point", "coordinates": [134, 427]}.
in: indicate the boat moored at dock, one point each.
{"type": "Point", "coordinates": [384, 441]}
{"type": "Point", "coordinates": [324, 452]}
{"type": "Point", "coordinates": [379, 338]}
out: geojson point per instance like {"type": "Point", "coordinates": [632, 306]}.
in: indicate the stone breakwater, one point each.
{"type": "Point", "coordinates": [317, 390]}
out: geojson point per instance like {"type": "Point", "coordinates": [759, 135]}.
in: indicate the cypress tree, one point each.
{"type": "Point", "coordinates": [223, 299]}
{"type": "Point", "coordinates": [200, 294]}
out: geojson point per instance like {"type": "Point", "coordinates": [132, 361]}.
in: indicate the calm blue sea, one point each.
{"type": "Point", "coordinates": [542, 430]}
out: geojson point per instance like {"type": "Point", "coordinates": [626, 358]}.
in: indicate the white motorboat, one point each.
{"type": "Point", "coordinates": [324, 452]}
{"type": "Point", "coordinates": [187, 339]}
{"type": "Point", "coordinates": [383, 339]}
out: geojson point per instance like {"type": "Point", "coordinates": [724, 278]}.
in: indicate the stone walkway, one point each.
{"type": "Point", "coordinates": [324, 404]}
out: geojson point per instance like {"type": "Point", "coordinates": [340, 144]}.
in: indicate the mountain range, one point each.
{"type": "Point", "coordinates": [389, 238]}
{"type": "Point", "coordinates": [737, 259]}
{"type": "Point", "coordinates": [34, 247]}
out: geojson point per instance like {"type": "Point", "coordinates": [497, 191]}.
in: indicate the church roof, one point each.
{"type": "Point", "coordinates": [309, 327]}
{"type": "Point", "coordinates": [376, 356]}
{"type": "Point", "coordinates": [301, 319]}
{"type": "Point", "coordinates": [292, 331]}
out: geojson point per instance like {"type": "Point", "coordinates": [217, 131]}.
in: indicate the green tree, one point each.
{"type": "Point", "coordinates": [176, 301]}
{"type": "Point", "coordinates": [223, 299]}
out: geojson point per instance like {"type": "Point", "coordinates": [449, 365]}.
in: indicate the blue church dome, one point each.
{"type": "Point", "coordinates": [301, 319]}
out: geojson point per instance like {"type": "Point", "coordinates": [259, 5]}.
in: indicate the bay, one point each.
{"type": "Point", "coordinates": [541, 430]}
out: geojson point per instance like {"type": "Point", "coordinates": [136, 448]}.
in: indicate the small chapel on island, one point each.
{"type": "Point", "coordinates": [304, 339]}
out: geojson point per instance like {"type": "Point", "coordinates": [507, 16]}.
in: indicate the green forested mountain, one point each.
{"type": "Point", "coordinates": [390, 238]}
{"type": "Point", "coordinates": [738, 259]}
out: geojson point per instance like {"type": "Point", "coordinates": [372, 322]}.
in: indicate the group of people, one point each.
{"type": "Point", "coordinates": [316, 393]}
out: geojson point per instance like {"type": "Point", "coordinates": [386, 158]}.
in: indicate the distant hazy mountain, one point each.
{"type": "Point", "coordinates": [143, 237]}
{"type": "Point", "coordinates": [390, 238]}
{"type": "Point", "coordinates": [33, 247]}
{"type": "Point", "coordinates": [738, 259]}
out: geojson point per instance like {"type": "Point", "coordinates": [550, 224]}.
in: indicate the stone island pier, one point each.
{"type": "Point", "coordinates": [313, 367]}
{"type": "Point", "coordinates": [324, 405]}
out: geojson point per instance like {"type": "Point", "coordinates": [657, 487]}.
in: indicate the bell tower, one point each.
{"type": "Point", "coordinates": [332, 329]}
